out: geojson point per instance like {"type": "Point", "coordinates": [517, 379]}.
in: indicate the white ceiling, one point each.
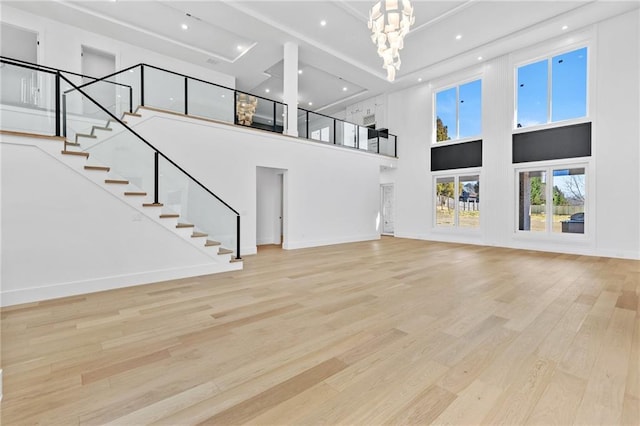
{"type": "Point", "coordinates": [245, 38]}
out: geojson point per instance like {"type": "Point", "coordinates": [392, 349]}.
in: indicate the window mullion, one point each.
{"type": "Point", "coordinates": [457, 112]}
{"type": "Point", "coordinates": [549, 89]}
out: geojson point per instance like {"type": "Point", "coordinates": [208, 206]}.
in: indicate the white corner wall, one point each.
{"type": "Point", "coordinates": [62, 234]}
{"type": "Point", "coordinates": [613, 168]}
{"type": "Point", "coordinates": [61, 46]}
{"type": "Point", "coordinates": [331, 193]}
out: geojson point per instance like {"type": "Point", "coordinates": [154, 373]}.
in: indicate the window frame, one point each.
{"type": "Point", "coordinates": [548, 55]}
{"type": "Point", "coordinates": [456, 174]}
{"type": "Point", "coordinates": [456, 85]}
{"type": "Point", "coordinates": [548, 167]}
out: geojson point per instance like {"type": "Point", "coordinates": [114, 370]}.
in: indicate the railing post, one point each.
{"type": "Point", "coordinates": [395, 146]}
{"type": "Point", "coordinates": [334, 133]}
{"type": "Point", "coordinates": [141, 84]}
{"type": "Point", "coordinates": [235, 107]}
{"type": "Point", "coordinates": [357, 137]}
{"type": "Point", "coordinates": [155, 178]}
{"type": "Point", "coordinates": [238, 237]}
{"type": "Point", "coordinates": [58, 103]}
{"type": "Point", "coordinates": [274, 117]}
{"type": "Point", "coordinates": [378, 147]}
{"type": "Point", "coordinates": [186, 97]}
{"type": "Point", "coordinates": [64, 115]}
{"type": "Point", "coordinates": [307, 124]}
{"type": "Point", "coordinates": [130, 99]}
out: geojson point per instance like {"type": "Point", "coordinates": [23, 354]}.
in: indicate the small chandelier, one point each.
{"type": "Point", "coordinates": [390, 20]}
{"type": "Point", "coordinates": [246, 108]}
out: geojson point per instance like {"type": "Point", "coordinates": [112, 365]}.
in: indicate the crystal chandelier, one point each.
{"type": "Point", "coordinates": [390, 20]}
{"type": "Point", "coordinates": [246, 108]}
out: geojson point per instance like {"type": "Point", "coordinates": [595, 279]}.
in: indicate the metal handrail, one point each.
{"type": "Point", "coordinates": [158, 152]}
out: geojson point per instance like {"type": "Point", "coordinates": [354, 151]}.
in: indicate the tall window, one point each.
{"type": "Point", "coordinates": [459, 112]}
{"type": "Point", "coordinates": [553, 89]}
{"type": "Point", "coordinates": [552, 200]}
{"type": "Point", "coordinates": [457, 201]}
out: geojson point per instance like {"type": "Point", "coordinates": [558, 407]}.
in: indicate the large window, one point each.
{"type": "Point", "coordinates": [553, 89]}
{"type": "Point", "coordinates": [457, 202]}
{"type": "Point", "coordinates": [459, 112]}
{"type": "Point", "coordinates": [552, 200]}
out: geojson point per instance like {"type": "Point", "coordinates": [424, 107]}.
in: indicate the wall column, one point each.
{"type": "Point", "coordinates": [290, 86]}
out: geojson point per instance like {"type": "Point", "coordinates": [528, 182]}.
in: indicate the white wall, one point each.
{"type": "Point", "coordinates": [61, 46]}
{"type": "Point", "coordinates": [331, 193]}
{"type": "Point", "coordinates": [62, 234]}
{"type": "Point", "coordinates": [612, 172]}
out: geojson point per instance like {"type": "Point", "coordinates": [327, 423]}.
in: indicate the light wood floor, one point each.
{"type": "Point", "coordinates": [385, 332]}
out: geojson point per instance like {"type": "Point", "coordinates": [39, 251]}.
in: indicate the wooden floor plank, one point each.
{"type": "Point", "coordinates": [378, 332]}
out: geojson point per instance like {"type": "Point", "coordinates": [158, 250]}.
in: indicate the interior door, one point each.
{"type": "Point", "coordinates": [387, 209]}
{"type": "Point", "coordinates": [20, 86]}
{"type": "Point", "coordinates": [96, 63]}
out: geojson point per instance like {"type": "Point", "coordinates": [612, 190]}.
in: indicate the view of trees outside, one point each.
{"type": "Point", "coordinates": [567, 191]}
{"type": "Point", "coordinates": [565, 77]}
{"type": "Point", "coordinates": [459, 112]}
{"type": "Point", "coordinates": [466, 204]}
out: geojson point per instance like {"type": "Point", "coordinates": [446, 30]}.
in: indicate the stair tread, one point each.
{"type": "Point", "coordinates": [133, 114]}
{"type": "Point", "coordinates": [69, 143]}
{"type": "Point", "coordinates": [169, 215]}
{"type": "Point", "coordinates": [210, 243]}
{"type": "Point", "coordinates": [79, 153]}
{"type": "Point", "coordinates": [108, 129]}
{"type": "Point", "coordinates": [234, 260]}
{"type": "Point", "coordinates": [102, 168]}
{"type": "Point", "coordinates": [152, 205]}
{"type": "Point", "coordinates": [199, 235]}
{"type": "Point", "coordinates": [185, 225]}
{"type": "Point", "coordinates": [118, 181]}
{"type": "Point", "coordinates": [85, 135]}
{"type": "Point", "coordinates": [223, 250]}
{"type": "Point", "coordinates": [135, 193]}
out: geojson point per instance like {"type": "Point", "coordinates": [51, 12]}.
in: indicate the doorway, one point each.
{"type": "Point", "coordinates": [270, 206]}
{"type": "Point", "coordinates": [386, 208]}
{"type": "Point", "coordinates": [97, 63]}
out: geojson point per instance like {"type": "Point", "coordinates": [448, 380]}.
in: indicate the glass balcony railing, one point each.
{"type": "Point", "coordinates": [322, 128]}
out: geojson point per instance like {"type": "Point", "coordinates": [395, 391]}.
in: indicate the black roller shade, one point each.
{"type": "Point", "coordinates": [457, 156]}
{"type": "Point", "coordinates": [553, 144]}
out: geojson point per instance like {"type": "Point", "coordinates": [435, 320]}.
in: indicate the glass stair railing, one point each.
{"type": "Point", "coordinates": [63, 108]}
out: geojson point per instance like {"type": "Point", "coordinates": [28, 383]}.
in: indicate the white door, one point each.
{"type": "Point", "coordinates": [20, 86]}
{"type": "Point", "coordinates": [96, 63]}
{"type": "Point", "coordinates": [387, 209]}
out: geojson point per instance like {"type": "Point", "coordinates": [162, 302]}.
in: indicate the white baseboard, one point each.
{"type": "Point", "coordinates": [54, 291]}
{"type": "Point", "coordinates": [291, 245]}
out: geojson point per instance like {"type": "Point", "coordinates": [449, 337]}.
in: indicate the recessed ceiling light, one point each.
{"type": "Point", "coordinates": [310, 103]}
{"type": "Point", "coordinates": [267, 90]}
{"type": "Point", "coordinates": [459, 36]}
{"type": "Point", "coordinates": [239, 47]}
{"type": "Point", "coordinates": [299, 71]}
{"type": "Point", "coordinates": [565, 27]}
{"type": "Point", "coordinates": [184, 26]}
{"type": "Point", "coordinates": [479, 58]}
{"type": "Point", "coordinates": [222, 96]}
{"type": "Point", "coordinates": [344, 89]}
{"type": "Point", "coordinates": [420, 79]}
{"type": "Point", "coordinates": [323, 23]}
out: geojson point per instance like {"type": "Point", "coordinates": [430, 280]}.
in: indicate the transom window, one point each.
{"type": "Point", "coordinates": [459, 112]}
{"type": "Point", "coordinates": [553, 89]}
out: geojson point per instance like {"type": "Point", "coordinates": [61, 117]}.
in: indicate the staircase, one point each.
{"type": "Point", "coordinates": [76, 153]}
